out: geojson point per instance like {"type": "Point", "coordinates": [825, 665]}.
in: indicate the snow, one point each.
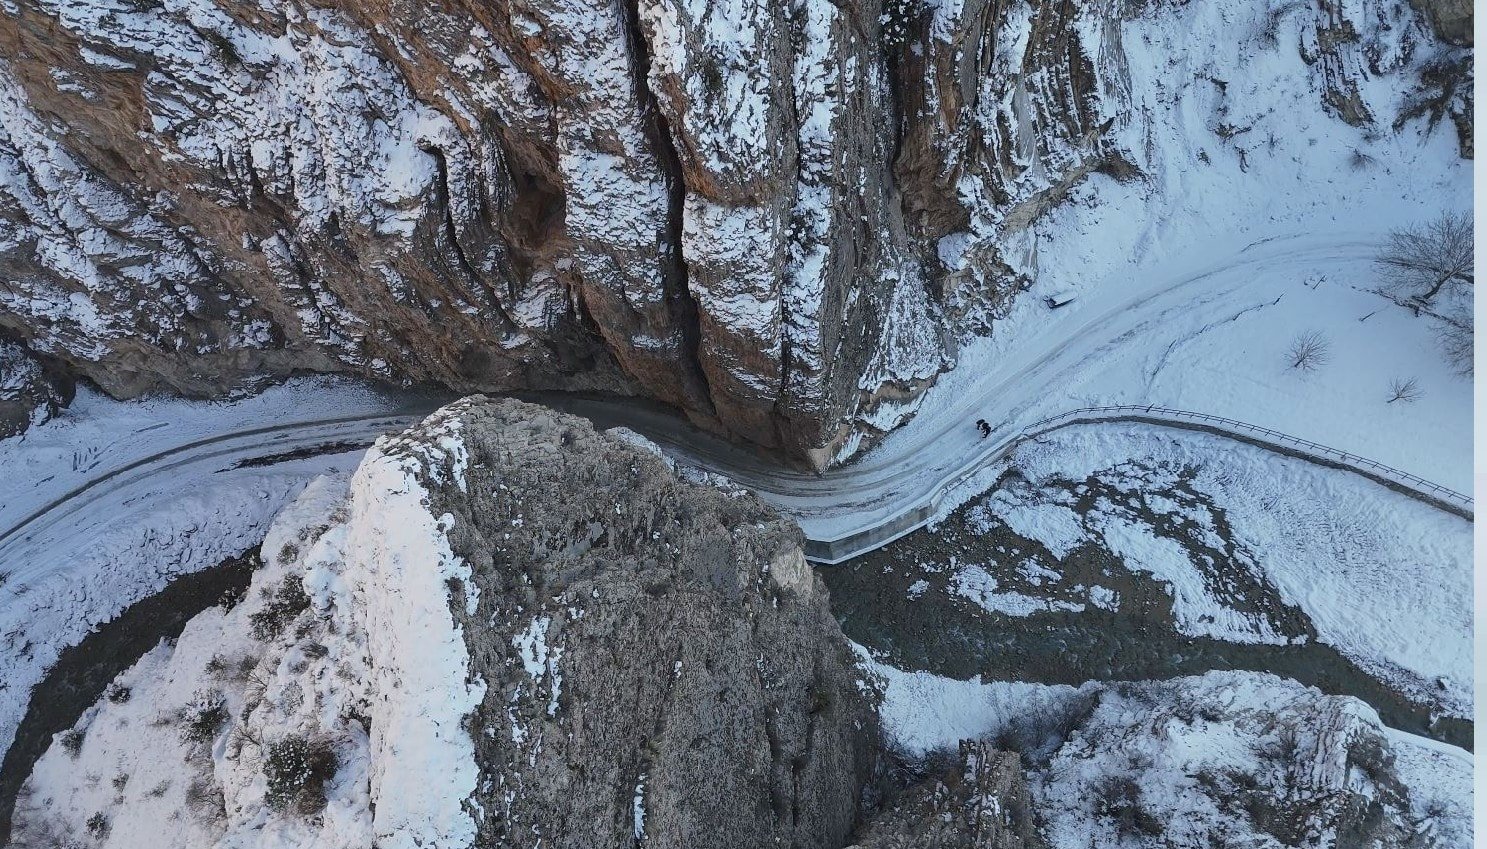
{"type": "Point", "coordinates": [90, 557]}
{"type": "Point", "coordinates": [97, 435]}
{"type": "Point", "coordinates": [1193, 277]}
{"type": "Point", "coordinates": [637, 807]}
{"type": "Point", "coordinates": [160, 783]}
{"type": "Point", "coordinates": [1163, 735]}
{"type": "Point", "coordinates": [423, 759]}
{"type": "Point", "coordinates": [379, 641]}
{"type": "Point", "coordinates": [976, 584]}
{"type": "Point", "coordinates": [1383, 578]}
{"type": "Point", "coordinates": [540, 660]}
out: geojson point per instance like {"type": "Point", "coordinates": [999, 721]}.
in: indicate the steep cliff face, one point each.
{"type": "Point", "coordinates": [656, 199]}
{"type": "Point", "coordinates": [30, 391]}
{"type": "Point", "coordinates": [774, 216]}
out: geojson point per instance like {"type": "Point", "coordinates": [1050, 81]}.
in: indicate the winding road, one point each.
{"type": "Point", "coordinates": [845, 511]}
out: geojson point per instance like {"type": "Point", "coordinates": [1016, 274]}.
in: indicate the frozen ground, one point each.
{"type": "Point", "coordinates": [1381, 577]}
{"type": "Point", "coordinates": [128, 547]}
{"type": "Point", "coordinates": [1261, 233]}
{"type": "Point", "coordinates": [96, 434]}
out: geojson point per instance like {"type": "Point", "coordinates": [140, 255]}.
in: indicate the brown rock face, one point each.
{"type": "Point", "coordinates": [483, 195]}
{"type": "Point", "coordinates": [30, 391]}
{"type": "Point", "coordinates": [1451, 19]}
{"type": "Point", "coordinates": [981, 801]}
{"type": "Point", "coordinates": [775, 217]}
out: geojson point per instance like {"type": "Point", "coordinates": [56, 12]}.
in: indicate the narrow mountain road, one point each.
{"type": "Point", "coordinates": [869, 502]}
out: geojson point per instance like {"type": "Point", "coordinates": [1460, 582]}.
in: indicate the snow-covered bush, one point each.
{"type": "Point", "coordinates": [282, 607]}
{"type": "Point", "coordinates": [203, 716]}
{"type": "Point", "coordinates": [72, 741]}
{"type": "Point", "coordinates": [296, 769]}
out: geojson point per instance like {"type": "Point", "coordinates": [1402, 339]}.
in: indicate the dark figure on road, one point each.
{"type": "Point", "coordinates": [983, 427]}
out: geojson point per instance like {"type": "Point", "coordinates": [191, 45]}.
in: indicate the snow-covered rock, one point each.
{"type": "Point", "coordinates": [774, 216]}
{"type": "Point", "coordinates": [30, 392]}
{"type": "Point", "coordinates": [505, 629]}
{"type": "Point", "coordinates": [1220, 759]}
{"type": "Point", "coordinates": [1248, 759]}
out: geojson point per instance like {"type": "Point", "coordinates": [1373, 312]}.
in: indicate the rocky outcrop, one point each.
{"type": "Point", "coordinates": [30, 391]}
{"type": "Point", "coordinates": [547, 195]}
{"type": "Point", "coordinates": [981, 801]}
{"type": "Point", "coordinates": [659, 660]}
{"type": "Point", "coordinates": [506, 629]}
{"type": "Point", "coordinates": [1193, 762]}
{"type": "Point", "coordinates": [1451, 19]}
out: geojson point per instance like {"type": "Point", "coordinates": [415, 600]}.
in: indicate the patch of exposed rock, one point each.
{"type": "Point", "coordinates": [30, 391]}
{"type": "Point", "coordinates": [980, 801]}
{"type": "Point", "coordinates": [659, 660]}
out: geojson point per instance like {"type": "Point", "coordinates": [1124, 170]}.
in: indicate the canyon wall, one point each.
{"type": "Point", "coordinates": [776, 217]}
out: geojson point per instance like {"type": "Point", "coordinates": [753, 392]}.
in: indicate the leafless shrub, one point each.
{"type": "Point", "coordinates": [1119, 799]}
{"type": "Point", "coordinates": [1419, 263]}
{"type": "Point", "coordinates": [296, 769]}
{"type": "Point", "coordinates": [1456, 341]}
{"type": "Point", "coordinates": [280, 608]}
{"type": "Point", "coordinates": [203, 717]}
{"type": "Point", "coordinates": [1429, 269]}
{"type": "Point", "coordinates": [205, 798]}
{"type": "Point", "coordinates": [1309, 351]}
{"type": "Point", "coordinates": [72, 741]}
{"type": "Point", "coordinates": [1406, 389]}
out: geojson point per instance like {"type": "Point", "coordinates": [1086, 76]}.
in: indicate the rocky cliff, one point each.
{"type": "Point", "coordinates": [505, 629]}
{"type": "Point", "coordinates": [777, 217]}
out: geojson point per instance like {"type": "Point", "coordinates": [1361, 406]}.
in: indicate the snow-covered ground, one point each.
{"type": "Point", "coordinates": [1261, 235]}
{"type": "Point", "coordinates": [96, 434]}
{"type": "Point", "coordinates": [344, 640]}
{"type": "Point", "coordinates": [1383, 578]}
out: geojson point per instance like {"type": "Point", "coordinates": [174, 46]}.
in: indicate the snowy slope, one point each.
{"type": "Point", "coordinates": [1383, 578]}
{"type": "Point", "coordinates": [365, 660]}
{"type": "Point", "coordinates": [1196, 762]}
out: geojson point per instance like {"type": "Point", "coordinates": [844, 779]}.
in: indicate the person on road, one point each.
{"type": "Point", "coordinates": [985, 428]}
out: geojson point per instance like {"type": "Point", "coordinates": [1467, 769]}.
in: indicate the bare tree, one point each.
{"type": "Point", "coordinates": [1428, 268]}
{"type": "Point", "coordinates": [1420, 262]}
{"type": "Point", "coordinates": [1406, 389]}
{"type": "Point", "coordinates": [1457, 342]}
{"type": "Point", "coordinates": [1309, 351]}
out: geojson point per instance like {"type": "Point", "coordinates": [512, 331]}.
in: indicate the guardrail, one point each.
{"type": "Point", "coordinates": [837, 550]}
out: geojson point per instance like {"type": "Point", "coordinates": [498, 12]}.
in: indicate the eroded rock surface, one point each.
{"type": "Point", "coordinates": [980, 801]}
{"type": "Point", "coordinates": [659, 659]}
{"type": "Point", "coordinates": [30, 391]}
